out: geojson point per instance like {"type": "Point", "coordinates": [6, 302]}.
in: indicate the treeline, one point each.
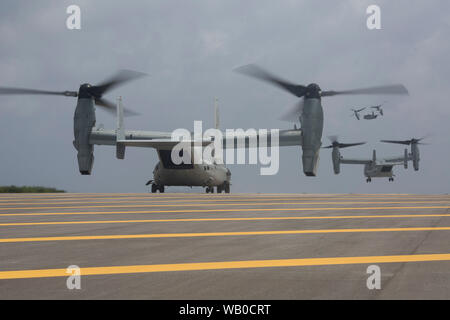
{"type": "Point", "coordinates": [28, 189]}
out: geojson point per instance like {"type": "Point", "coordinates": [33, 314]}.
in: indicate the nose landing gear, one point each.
{"type": "Point", "coordinates": [369, 179]}
{"type": "Point", "coordinates": [156, 187]}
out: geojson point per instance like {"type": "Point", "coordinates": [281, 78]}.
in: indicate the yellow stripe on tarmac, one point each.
{"type": "Point", "coordinates": [213, 196]}
{"type": "Point", "coordinates": [219, 210]}
{"type": "Point", "coordinates": [199, 266]}
{"type": "Point", "coordinates": [217, 234]}
{"type": "Point", "coordinates": [212, 204]}
{"type": "Point", "coordinates": [197, 202]}
{"type": "Point", "coordinates": [194, 197]}
{"type": "Point", "coordinates": [223, 219]}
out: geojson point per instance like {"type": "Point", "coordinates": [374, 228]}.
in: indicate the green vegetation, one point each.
{"type": "Point", "coordinates": [28, 189]}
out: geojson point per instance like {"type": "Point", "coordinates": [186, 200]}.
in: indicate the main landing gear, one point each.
{"type": "Point", "coordinates": [391, 179]}
{"type": "Point", "coordinates": [222, 188]}
{"type": "Point", "coordinates": [369, 179]}
{"type": "Point", "coordinates": [156, 187]}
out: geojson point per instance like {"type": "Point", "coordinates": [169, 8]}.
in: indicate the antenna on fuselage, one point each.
{"type": "Point", "coordinates": [216, 114]}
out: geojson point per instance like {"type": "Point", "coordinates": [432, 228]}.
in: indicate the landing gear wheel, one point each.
{"type": "Point", "coordinates": [227, 187]}
{"type": "Point", "coordinates": [220, 189]}
{"type": "Point", "coordinates": [156, 188]}
{"type": "Point", "coordinates": [368, 180]}
{"type": "Point", "coordinates": [207, 190]}
{"type": "Point", "coordinates": [391, 179]}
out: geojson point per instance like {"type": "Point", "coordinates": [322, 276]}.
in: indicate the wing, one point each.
{"type": "Point", "coordinates": [242, 139]}
{"type": "Point", "coordinates": [156, 139]}
{"type": "Point", "coordinates": [161, 144]}
{"type": "Point", "coordinates": [395, 159]}
{"type": "Point", "coordinates": [395, 163]}
{"type": "Point", "coordinates": [355, 161]}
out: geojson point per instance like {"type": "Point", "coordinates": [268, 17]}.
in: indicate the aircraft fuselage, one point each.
{"type": "Point", "coordinates": [200, 175]}
{"type": "Point", "coordinates": [378, 171]}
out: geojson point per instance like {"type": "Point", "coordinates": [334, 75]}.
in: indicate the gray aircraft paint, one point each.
{"type": "Point", "coordinates": [83, 122]}
{"type": "Point", "coordinates": [312, 126]}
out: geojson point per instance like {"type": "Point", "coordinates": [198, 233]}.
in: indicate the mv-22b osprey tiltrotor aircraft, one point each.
{"type": "Point", "coordinates": [368, 116]}
{"type": "Point", "coordinates": [86, 134]}
{"type": "Point", "coordinates": [376, 168]}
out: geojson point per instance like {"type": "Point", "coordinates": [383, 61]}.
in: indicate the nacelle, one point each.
{"type": "Point", "coordinates": [415, 156]}
{"type": "Point", "coordinates": [336, 158]}
{"type": "Point", "coordinates": [86, 160]}
{"type": "Point", "coordinates": [84, 121]}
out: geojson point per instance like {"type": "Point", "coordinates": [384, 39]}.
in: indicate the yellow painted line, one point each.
{"type": "Point", "coordinates": [201, 266]}
{"type": "Point", "coordinates": [219, 210]}
{"type": "Point", "coordinates": [216, 196]}
{"type": "Point", "coordinates": [210, 204]}
{"type": "Point", "coordinates": [223, 219]}
{"type": "Point", "coordinates": [156, 202]}
{"type": "Point", "coordinates": [217, 234]}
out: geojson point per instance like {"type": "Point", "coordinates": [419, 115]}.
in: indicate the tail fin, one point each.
{"type": "Point", "coordinates": [405, 160]}
{"type": "Point", "coordinates": [216, 114]}
{"type": "Point", "coordinates": [120, 134]}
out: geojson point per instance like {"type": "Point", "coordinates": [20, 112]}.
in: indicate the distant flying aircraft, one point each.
{"type": "Point", "coordinates": [356, 112]}
{"type": "Point", "coordinates": [369, 116]}
{"type": "Point", "coordinates": [376, 168]}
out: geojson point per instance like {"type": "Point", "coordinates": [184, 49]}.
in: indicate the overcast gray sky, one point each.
{"type": "Point", "coordinates": [189, 49]}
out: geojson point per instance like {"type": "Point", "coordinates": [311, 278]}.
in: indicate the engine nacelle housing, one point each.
{"type": "Point", "coordinates": [336, 158]}
{"type": "Point", "coordinates": [84, 121]}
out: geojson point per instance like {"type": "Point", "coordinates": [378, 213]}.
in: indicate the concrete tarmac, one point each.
{"type": "Point", "coordinates": [224, 246]}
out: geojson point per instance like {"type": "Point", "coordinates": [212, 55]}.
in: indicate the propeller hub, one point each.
{"type": "Point", "coordinates": [313, 91]}
{"type": "Point", "coordinates": [86, 91]}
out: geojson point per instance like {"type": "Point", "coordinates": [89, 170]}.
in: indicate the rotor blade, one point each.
{"type": "Point", "coordinates": [345, 145]}
{"type": "Point", "coordinates": [294, 113]}
{"type": "Point", "coordinates": [390, 89]}
{"type": "Point", "coordinates": [17, 91]}
{"type": "Point", "coordinates": [254, 71]}
{"type": "Point", "coordinates": [406, 142]}
{"type": "Point", "coordinates": [425, 136]}
{"type": "Point", "coordinates": [120, 78]}
{"type": "Point", "coordinates": [111, 107]}
{"type": "Point", "coordinates": [342, 145]}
